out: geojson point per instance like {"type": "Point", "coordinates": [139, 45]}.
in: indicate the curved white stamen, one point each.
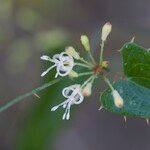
{"type": "Point", "coordinates": [56, 58]}
{"type": "Point", "coordinates": [45, 72]}
{"type": "Point", "coordinates": [68, 113]}
{"type": "Point", "coordinates": [64, 116]}
{"type": "Point", "coordinates": [64, 106]}
{"type": "Point", "coordinates": [54, 108]}
{"type": "Point", "coordinates": [56, 75]}
{"type": "Point", "coordinates": [45, 57]}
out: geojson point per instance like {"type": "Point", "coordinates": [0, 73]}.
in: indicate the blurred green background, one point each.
{"type": "Point", "coordinates": [30, 28]}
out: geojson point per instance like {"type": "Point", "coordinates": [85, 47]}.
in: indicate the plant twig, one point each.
{"type": "Point", "coordinates": [21, 97]}
{"type": "Point", "coordinates": [91, 57]}
{"type": "Point", "coordinates": [83, 65]}
{"type": "Point", "coordinates": [85, 73]}
{"type": "Point", "coordinates": [101, 53]}
{"type": "Point", "coordinates": [108, 82]}
{"type": "Point", "coordinates": [84, 61]}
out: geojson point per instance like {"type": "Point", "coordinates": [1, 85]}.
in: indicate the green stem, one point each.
{"type": "Point", "coordinates": [84, 61]}
{"type": "Point", "coordinates": [85, 73]}
{"type": "Point", "coordinates": [101, 53]}
{"type": "Point", "coordinates": [83, 65]}
{"type": "Point", "coordinates": [108, 82]}
{"type": "Point", "coordinates": [94, 77]}
{"type": "Point", "coordinates": [88, 80]}
{"type": "Point", "coordinates": [21, 97]}
{"type": "Point", "coordinates": [91, 57]}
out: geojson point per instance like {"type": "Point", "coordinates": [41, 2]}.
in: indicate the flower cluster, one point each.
{"type": "Point", "coordinates": [65, 63]}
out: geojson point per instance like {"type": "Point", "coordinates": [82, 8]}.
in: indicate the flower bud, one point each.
{"type": "Point", "coordinates": [105, 64]}
{"type": "Point", "coordinates": [73, 74]}
{"type": "Point", "coordinates": [118, 101]}
{"type": "Point", "coordinates": [71, 51]}
{"type": "Point", "coordinates": [105, 31]}
{"type": "Point", "coordinates": [85, 42]}
{"type": "Point", "coordinates": [87, 90]}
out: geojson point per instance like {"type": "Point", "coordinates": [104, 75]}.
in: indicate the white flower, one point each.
{"type": "Point", "coordinates": [74, 95]}
{"type": "Point", "coordinates": [63, 63]}
{"type": "Point", "coordinates": [118, 101]}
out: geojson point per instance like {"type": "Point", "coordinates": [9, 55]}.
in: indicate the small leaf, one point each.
{"type": "Point", "coordinates": [136, 99]}
{"type": "Point", "coordinates": [136, 63]}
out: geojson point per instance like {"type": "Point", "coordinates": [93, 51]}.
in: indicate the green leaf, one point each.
{"type": "Point", "coordinates": [136, 99]}
{"type": "Point", "coordinates": [136, 63]}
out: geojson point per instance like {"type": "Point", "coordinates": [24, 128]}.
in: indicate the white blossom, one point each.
{"type": "Point", "coordinates": [73, 95]}
{"type": "Point", "coordinates": [63, 62]}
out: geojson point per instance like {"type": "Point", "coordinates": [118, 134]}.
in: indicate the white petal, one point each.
{"type": "Point", "coordinates": [68, 110]}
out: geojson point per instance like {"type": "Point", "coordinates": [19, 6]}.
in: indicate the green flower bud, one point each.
{"type": "Point", "coordinates": [105, 64]}
{"type": "Point", "coordinates": [71, 51]}
{"type": "Point", "coordinates": [85, 42]}
{"type": "Point", "coordinates": [106, 31]}
{"type": "Point", "coordinates": [87, 90]}
{"type": "Point", "coordinates": [73, 74]}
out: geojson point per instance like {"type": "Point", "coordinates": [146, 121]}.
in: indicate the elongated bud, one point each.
{"type": "Point", "coordinates": [106, 31]}
{"type": "Point", "coordinates": [85, 42]}
{"type": "Point", "coordinates": [118, 101]}
{"type": "Point", "coordinates": [87, 90]}
{"type": "Point", "coordinates": [73, 74]}
{"type": "Point", "coordinates": [71, 51]}
{"type": "Point", "coordinates": [105, 64]}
